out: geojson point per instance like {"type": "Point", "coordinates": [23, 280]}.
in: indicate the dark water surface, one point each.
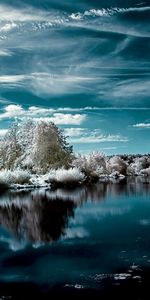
{"type": "Point", "coordinates": [90, 240]}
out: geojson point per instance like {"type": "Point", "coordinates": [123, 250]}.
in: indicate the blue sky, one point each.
{"type": "Point", "coordinates": [83, 65]}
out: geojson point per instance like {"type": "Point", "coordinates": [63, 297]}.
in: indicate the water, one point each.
{"type": "Point", "coordinates": [77, 240]}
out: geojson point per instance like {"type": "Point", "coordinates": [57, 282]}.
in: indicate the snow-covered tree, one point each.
{"type": "Point", "coordinates": [33, 145]}
{"type": "Point", "coordinates": [10, 148]}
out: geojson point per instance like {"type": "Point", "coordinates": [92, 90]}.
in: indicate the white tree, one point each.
{"type": "Point", "coordinates": [35, 145]}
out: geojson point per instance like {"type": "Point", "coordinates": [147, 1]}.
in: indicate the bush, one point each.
{"type": "Point", "coordinates": [5, 179]}
{"type": "Point", "coordinates": [140, 163]}
{"type": "Point", "coordinates": [115, 163]}
{"type": "Point", "coordinates": [145, 172]}
{"type": "Point", "coordinates": [20, 177]}
{"type": "Point", "coordinates": [8, 178]}
{"type": "Point", "coordinates": [63, 177]}
{"type": "Point", "coordinates": [92, 165]}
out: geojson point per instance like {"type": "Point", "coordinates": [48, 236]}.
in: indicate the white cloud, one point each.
{"type": "Point", "coordinates": [99, 139]}
{"type": "Point", "coordinates": [5, 52]}
{"type": "Point", "coordinates": [12, 111]}
{"type": "Point", "coordinates": [8, 26]}
{"type": "Point", "coordinates": [79, 108]}
{"type": "Point", "coordinates": [64, 119]}
{"type": "Point", "coordinates": [35, 111]}
{"type": "Point", "coordinates": [83, 135]}
{"type": "Point", "coordinates": [45, 83]}
{"type": "Point", "coordinates": [3, 132]}
{"type": "Point", "coordinates": [142, 125]}
{"type": "Point", "coordinates": [74, 131]}
{"type": "Point", "coordinates": [9, 13]}
{"type": "Point", "coordinates": [105, 12]}
{"type": "Point", "coordinates": [12, 78]}
{"type": "Point", "coordinates": [45, 114]}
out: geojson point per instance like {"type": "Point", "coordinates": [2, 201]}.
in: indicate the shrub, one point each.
{"type": "Point", "coordinates": [145, 172]}
{"type": "Point", "coordinates": [115, 163]}
{"type": "Point", "coordinates": [8, 178]}
{"type": "Point", "coordinates": [63, 177]}
{"type": "Point", "coordinates": [140, 163]}
{"type": "Point", "coordinates": [20, 177]}
{"type": "Point", "coordinates": [92, 165]}
{"type": "Point", "coordinates": [5, 179]}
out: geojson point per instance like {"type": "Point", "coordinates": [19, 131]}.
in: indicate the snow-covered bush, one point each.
{"type": "Point", "coordinates": [5, 179]}
{"type": "Point", "coordinates": [63, 177]}
{"type": "Point", "coordinates": [145, 172]}
{"type": "Point", "coordinates": [8, 177]}
{"type": "Point", "coordinates": [92, 165]}
{"type": "Point", "coordinates": [20, 177]}
{"type": "Point", "coordinates": [115, 163]}
{"type": "Point", "coordinates": [140, 163]}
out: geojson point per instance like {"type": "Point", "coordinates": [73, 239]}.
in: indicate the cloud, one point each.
{"type": "Point", "coordinates": [12, 111]}
{"type": "Point", "coordinates": [43, 114]}
{"type": "Point", "coordinates": [83, 135]}
{"type": "Point", "coordinates": [106, 12]}
{"type": "Point", "coordinates": [74, 131]}
{"type": "Point", "coordinates": [142, 125]}
{"type": "Point", "coordinates": [99, 139]}
{"type": "Point", "coordinates": [64, 119]}
{"type": "Point", "coordinates": [46, 83]}
{"type": "Point", "coordinates": [3, 132]}
{"type": "Point", "coordinates": [12, 79]}
{"type": "Point", "coordinates": [28, 13]}
{"type": "Point", "coordinates": [5, 52]}
{"type": "Point", "coordinates": [8, 26]}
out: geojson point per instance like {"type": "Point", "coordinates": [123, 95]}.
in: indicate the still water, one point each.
{"type": "Point", "coordinates": [90, 238]}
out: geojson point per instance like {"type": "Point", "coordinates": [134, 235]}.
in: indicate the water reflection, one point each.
{"type": "Point", "coordinates": [43, 215]}
{"type": "Point", "coordinates": [37, 219]}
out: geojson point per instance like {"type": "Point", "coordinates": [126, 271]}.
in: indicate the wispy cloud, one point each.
{"type": "Point", "coordinates": [99, 139]}
{"type": "Point", "coordinates": [12, 79]}
{"type": "Point", "coordinates": [105, 12]}
{"type": "Point", "coordinates": [84, 135]}
{"type": "Point", "coordinates": [142, 125]}
{"type": "Point", "coordinates": [75, 131]}
{"type": "Point", "coordinates": [5, 52]}
{"type": "Point", "coordinates": [25, 14]}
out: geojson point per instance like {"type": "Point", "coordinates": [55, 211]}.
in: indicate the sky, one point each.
{"type": "Point", "coordinates": [82, 64]}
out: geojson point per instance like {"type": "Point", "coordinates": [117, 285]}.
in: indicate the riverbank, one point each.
{"type": "Point", "coordinates": [83, 170]}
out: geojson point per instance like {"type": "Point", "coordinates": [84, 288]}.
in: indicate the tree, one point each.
{"type": "Point", "coordinates": [10, 148]}
{"type": "Point", "coordinates": [35, 145]}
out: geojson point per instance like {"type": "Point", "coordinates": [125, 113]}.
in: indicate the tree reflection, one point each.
{"type": "Point", "coordinates": [39, 220]}
{"type": "Point", "coordinates": [43, 215]}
